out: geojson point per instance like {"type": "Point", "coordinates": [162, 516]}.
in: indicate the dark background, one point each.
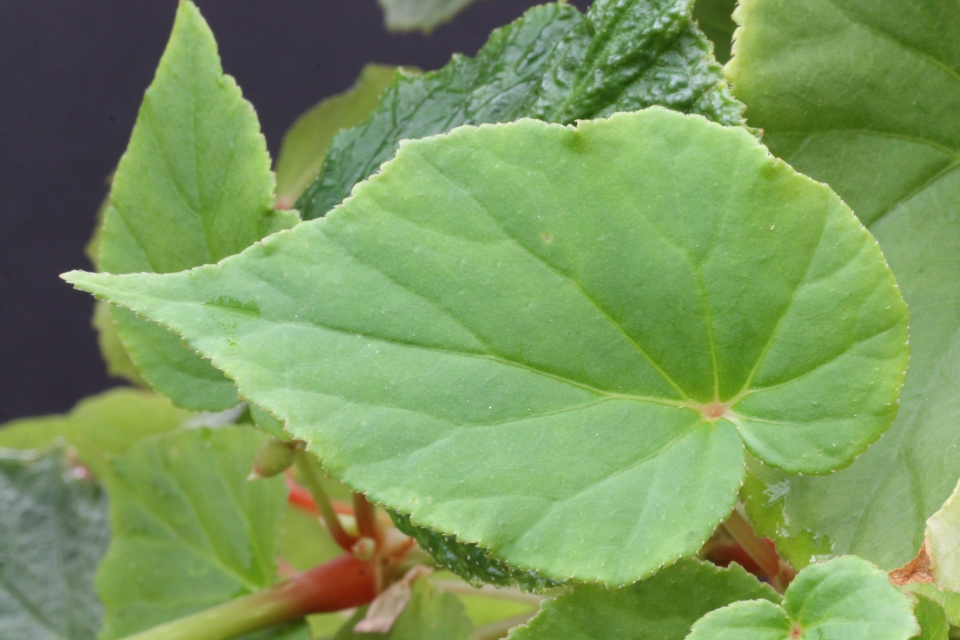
{"type": "Point", "coordinates": [72, 74]}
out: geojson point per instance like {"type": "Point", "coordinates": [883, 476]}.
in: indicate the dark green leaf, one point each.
{"type": "Point", "coordinates": [663, 607]}
{"type": "Point", "coordinates": [554, 64]}
{"type": "Point", "coordinates": [714, 17]}
{"type": "Point", "coordinates": [53, 532]}
{"type": "Point", "coordinates": [469, 561]}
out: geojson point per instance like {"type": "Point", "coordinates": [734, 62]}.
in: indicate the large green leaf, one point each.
{"type": "Point", "coordinates": [516, 332]}
{"type": "Point", "coordinates": [430, 615]}
{"type": "Point", "coordinates": [53, 532]}
{"type": "Point", "coordinates": [305, 144]}
{"type": "Point", "coordinates": [189, 530]}
{"type": "Point", "coordinates": [554, 64]}
{"type": "Point", "coordinates": [843, 599]}
{"type": "Point", "coordinates": [411, 15]}
{"type": "Point", "coordinates": [864, 95]}
{"type": "Point", "coordinates": [98, 427]}
{"type": "Point", "coordinates": [662, 607]}
{"type": "Point", "coordinates": [193, 187]}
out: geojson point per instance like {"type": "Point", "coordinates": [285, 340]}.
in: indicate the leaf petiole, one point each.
{"type": "Point", "coordinates": [322, 500]}
{"type": "Point", "coordinates": [766, 557]}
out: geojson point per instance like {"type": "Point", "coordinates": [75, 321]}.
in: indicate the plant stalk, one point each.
{"type": "Point", "coordinates": [342, 583]}
{"type": "Point", "coordinates": [366, 515]}
{"type": "Point", "coordinates": [759, 550]}
{"type": "Point", "coordinates": [322, 500]}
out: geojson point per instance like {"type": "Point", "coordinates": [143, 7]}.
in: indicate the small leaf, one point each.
{"type": "Point", "coordinates": [189, 530]}
{"type": "Point", "coordinates": [193, 187]}
{"type": "Point", "coordinates": [98, 427]}
{"type": "Point", "coordinates": [864, 95]}
{"type": "Point", "coordinates": [931, 618]}
{"type": "Point", "coordinates": [839, 600]}
{"type": "Point", "coordinates": [53, 532]}
{"type": "Point", "coordinates": [305, 144]}
{"type": "Point", "coordinates": [664, 606]}
{"type": "Point", "coordinates": [430, 615]}
{"type": "Point", "coordinates": [947, 600]}
{"type": "Point", "coordinates": [422, 15]}
{"type": "Point", "coordinates": [469, 561]}
{"type": "Point", "coordinates": [512, 349]}
{"type": "Point", "coordinates": [554, 64]}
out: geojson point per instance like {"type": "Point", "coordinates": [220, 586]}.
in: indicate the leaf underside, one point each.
{"type": "Point", "coordinates": [864, 96]}
{"type": "Point", "coordinates": [554, 64]}
{"type": "Point", "coordinates": [193, 186]}
{"type": "Point", "coordinates": [53, 532]}
{"type": "Point", "coordinates": [842, 599]}
{"type": "Point", "coordinates": [664, 606]}
{"type": "Point", "coordinates": [189, 530]}
{"type": "Point", "coordinates": [554, 354]}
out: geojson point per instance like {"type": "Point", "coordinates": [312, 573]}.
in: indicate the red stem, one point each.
{"type": "Point", "coordinates": [342, 583]}
{"type": "Point", "coordinates": [366, 516]}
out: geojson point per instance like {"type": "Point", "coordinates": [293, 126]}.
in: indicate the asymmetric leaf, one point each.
{"type": "Point", "coordinates": [53, 532]}
{"type": "Point", "coordinates": [515, 332]}
{"type": "Point", "coordinates": [843, 599]}
{"type": "Point", "coordinates": [411, 15]}
{"type": "Point", "coordinates": [193, 187]}
{"type": "Point", "coordinates": [189, 530]}
{"type": "Point", "coordinates": [864, 96]}
{"type": "Point", "coordinates": [554, 64]}
{"type": "Point", "coordinates": [305, 144]}
{"type": "Point", "coordinates": [662, 607]}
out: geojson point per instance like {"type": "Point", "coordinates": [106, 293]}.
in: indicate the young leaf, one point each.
{"type": "Point", "coordinates": [53, 532]}
{"type": "Point", "coordinates": [518, 333]}
{"type": "Point", "coordinates": [839, 600]}
{"type": "Point", "coordinates": [430, 615]}
{"type": "Point", "coordinates": [662, 607]}
{"type": "Point", "coordinates": [411, 15]}
{"type": "Point", "coordinates": [554, 64]}
{"type": "Point", "coordinates": [864, 95]}
{"type": "Point", "coordinates": [469, 561]}
{"type": "Point", "coordinates": [189, 530]}
{"type": "Point", "coordinates": [947, 600]}
{"type": "Point", "coordinates": [193, 187]}
{"type": "Point", "coordinates": [931, 618]}
{"type": "Point", "coordinates": [98, 427]}
{"type": "Point", "coordinates": [305, 144]}
{"type": "Point", "coordinates": [714, 17]}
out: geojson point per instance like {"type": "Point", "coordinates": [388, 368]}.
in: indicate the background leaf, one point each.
{"type": "Point", "coordinates": [423, 15]}
{"type": "Point", "coordinates": [98, 427]}
{"type": "Point", "coordinates": [478, 372]}
{"type": "Point", "coordinates": [715, 19]}
{"type": "Point", "coordinates": [838, 600]}
{"type": "Point", "coordinates": [53, 532]}
{"type": "Point", "coordinates": [305, 144]}
{"type": "Point", "coordinates": [554, 64]}
{"type": "Point", "coordinates": [664, 606]}
{"type": "Point", "coordinates": [430, 615]}
{"type": "Point", "coordinates": [193, 187]}
{"type": "Point", "coordinates": [189, 530]}
{"type": "Point", "coordinates": [864, 95]}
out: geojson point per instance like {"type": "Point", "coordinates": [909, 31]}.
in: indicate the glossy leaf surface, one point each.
{"type": "Point", "coordinates": [99, 427]}
{"type": "Point", "coordinates": [189, 530]}
{"type": "Point", "coordinates": [842, 599]}
{"type": "Point", "coordinates": [53, 532]}
{"type": "Point", "coordinates": [430, 615]}
{"type": "Point", "coordinates": [423, 15]}
{"type": "Point", "coordinates": [193, 187]}
{"type": "Point", "coordinates": [515, 354]}
{"type": "Point", "coordinates": [469, 561]}
{"type": "Point", "coordinates": [863, 95]}
{"type": "Point", "coordinates": [662, 607]}
{"type": "Point", "coordinates": [305, 144]}
{"type": "Point", "coordinates": [554, 64]}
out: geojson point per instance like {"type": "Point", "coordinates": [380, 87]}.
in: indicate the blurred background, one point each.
{"type": "Point", "coordinates": [72, 74]}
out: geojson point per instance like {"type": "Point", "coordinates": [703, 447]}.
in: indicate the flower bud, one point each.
{"type": "Point", "coordinates": [275, 456]}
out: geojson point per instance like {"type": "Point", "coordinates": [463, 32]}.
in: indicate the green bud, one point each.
{"type": "Point", "coordinates": [275, 456]}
